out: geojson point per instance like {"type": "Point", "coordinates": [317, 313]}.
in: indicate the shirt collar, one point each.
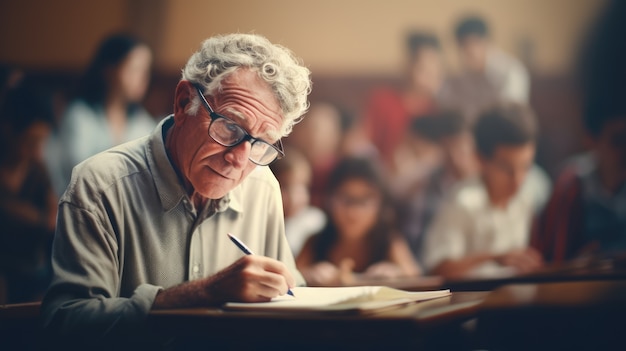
{"type": "Point", "coordinates": [171, 191]}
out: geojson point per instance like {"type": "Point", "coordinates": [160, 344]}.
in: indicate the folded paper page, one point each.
{"type": "Point", "coordinates": [357, 299]}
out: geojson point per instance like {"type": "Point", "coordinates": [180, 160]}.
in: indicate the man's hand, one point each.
{"type": "Point", "coordinates": [383, 269]}
{"type": "Point", "coordinates": [523, 260]}
{"type": "Point", "coordinates": [252, 278]}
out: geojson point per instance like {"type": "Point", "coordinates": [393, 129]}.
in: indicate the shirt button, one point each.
{"type": "Point", "coordinates": [195, 269]}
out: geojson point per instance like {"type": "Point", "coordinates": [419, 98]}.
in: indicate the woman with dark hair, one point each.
{"type": "Point", "coordinates": [106, 110]}
{"type": "Point", "coordinates": [359, 236]}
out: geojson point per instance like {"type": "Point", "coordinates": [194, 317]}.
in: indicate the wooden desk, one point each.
{"type": "Point", "coordinates": [424, 324]}
{"type": "Point", "coordinates": [428, 324]}
{"type": "Point", "coordinates": [582, 270]}
{"type": "Point", "coordinates": [19, 326]}
{"type": "Point", "coordinates": [583, 315]}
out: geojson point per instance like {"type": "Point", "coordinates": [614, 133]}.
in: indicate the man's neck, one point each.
{"type": "Point", "coordinates": [170, 147]}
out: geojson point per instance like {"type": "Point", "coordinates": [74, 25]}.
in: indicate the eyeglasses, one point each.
{"type": "Point", "coordinates": [228, 133]}
{"type": "Point", "coordinates": [364, 202]}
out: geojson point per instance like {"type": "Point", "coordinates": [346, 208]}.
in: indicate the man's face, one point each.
{"type": "Point", "coordinates": [473, 50]}
{"type": "Point", "coordinates": [505, 172]}
{"type": "Point", "coordinates": [212, 169]}
{"type": "Point", "coordinates": [427, 70]}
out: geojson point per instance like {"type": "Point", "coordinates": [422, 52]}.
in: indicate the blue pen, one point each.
{"type": "Point", "coordinates": [247, 251]}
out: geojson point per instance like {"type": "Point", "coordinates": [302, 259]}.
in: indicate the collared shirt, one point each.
{"type": "Point", "coordinates": [467, 224]}
{"type": "Point", "coordinates": [127, 228]}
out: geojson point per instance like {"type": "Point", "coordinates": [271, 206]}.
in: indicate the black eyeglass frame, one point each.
{"type": "Point", "coordinates": [278, 146]}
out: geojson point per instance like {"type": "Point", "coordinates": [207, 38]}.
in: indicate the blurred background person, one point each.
{"type": "Point", "coordinates": [586, 215]}
{"type": "Point", "coordinates": [320, 137]}
{"type": "Point", "coordinates": [301, 219]}
{"type": "Point", "coordinates": [27, 200]}
{"type": "Point", "coordinates": [388, 111]}
{"type": "Point", "coordinates": [489, 75]}
{"type": "Point", "coordinates": [360, 235]}
{"type": "Point", "coordinates": [418, 205]}
{"type": "Point", "coordinates": [483, 227]}
{"type": "Point", "coordinates": [106, 110]}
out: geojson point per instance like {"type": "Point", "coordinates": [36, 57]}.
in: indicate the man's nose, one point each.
{"type": "Point", "coordinates": [238, 155]}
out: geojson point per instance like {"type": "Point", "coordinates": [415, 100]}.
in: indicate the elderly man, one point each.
{"type": "Point", "coordinates": [144, 225]}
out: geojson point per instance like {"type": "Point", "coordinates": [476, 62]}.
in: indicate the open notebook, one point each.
{"type": "Point", "coordinates": [359, 299]}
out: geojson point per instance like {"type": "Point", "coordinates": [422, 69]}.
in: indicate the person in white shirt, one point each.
{"type": "Point", "coordinates": [489, 75]}
{"type": "Point", "coordinates": [483, 227]}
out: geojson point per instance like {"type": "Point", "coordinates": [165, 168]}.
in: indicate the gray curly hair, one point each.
{"type": "Point", "coordinates": [221, 55]}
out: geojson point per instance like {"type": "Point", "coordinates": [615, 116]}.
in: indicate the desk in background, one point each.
{"type": "Point", "coordinates": [601, 269]}
{"type": "Point", "coordinates": [581, 315]}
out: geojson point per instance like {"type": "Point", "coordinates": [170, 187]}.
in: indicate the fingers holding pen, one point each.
{"type": "Point", "coordinates": [255, 278]}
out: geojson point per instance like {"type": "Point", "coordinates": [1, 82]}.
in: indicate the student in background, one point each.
{"type": "Point", "coordinates": [27, 201]}
{"type": "Point", "coordinates": [359, 236]}
{"type": "Point", "coordinates": [586, 215]}
{"type": "Point", "coordinates": [301, 219]}
{"type": "Point", "coordinates": [388, 111]}
{"type": "Point", "coordinates": [319, 137]}
{"type": "Point", "coordinates": [483, 227]}
{"type": "Point", "coordinates": [490, 76]}
{"type": "Point", "coordinates": [419, 204]}
{"type": "Point", "coordinates": [106, 110]}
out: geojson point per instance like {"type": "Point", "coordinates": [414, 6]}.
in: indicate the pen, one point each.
{"type": "Point", "coordinates": [247, 251]}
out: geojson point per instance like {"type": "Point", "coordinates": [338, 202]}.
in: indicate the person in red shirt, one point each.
{"type": "Point", "coordinates": [389, 111]}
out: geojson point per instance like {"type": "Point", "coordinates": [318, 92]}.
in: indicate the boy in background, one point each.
{"type": "Point", "coordinates": [483, 227]}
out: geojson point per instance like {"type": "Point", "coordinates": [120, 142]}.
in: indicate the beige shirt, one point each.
{"type": "Point", "coordinates": [126, 228]}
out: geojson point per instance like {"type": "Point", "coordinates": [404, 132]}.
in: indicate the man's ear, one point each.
{"type": "Point", "coordinates": [182, 99]}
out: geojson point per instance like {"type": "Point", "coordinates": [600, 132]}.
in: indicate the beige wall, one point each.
{"type": "Point", "coordinates": [332, 36]}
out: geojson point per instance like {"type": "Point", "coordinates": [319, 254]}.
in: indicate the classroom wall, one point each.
{"type": "Point", "coordinates": [334, 37]}
{"type": "Point", "coordinates": [351, 46]}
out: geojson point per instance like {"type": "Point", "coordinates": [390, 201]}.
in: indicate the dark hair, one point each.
{"type": "Point", "coordinates": [24, 105]}
{"type": "Point", "coordinates": [112, 51]}
{"type": "Point", "coordinates": [603, 69]}
{"type": "Point", "coordinates": [378, 238]}
{"type": "Point", "coordinates": [437, 126]}
{"type": "Point", "coordinates": [471, 25]}
{"type": "Point", "coordinates": [508, 124]}
{"type": "Point", "coordinates": [416, 41]}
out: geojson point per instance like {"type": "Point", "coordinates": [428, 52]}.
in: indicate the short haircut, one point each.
{"type": "Point", "coordinates": [416, 41]}
{"type": "Point", "coordinates": [221, 55]}
{"type": "Point", "coordinates": [437, 126]}
{"type": "Point", "coordinates": [508, 124]}
{"type": "Point", "coordinates": [471, 25]}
